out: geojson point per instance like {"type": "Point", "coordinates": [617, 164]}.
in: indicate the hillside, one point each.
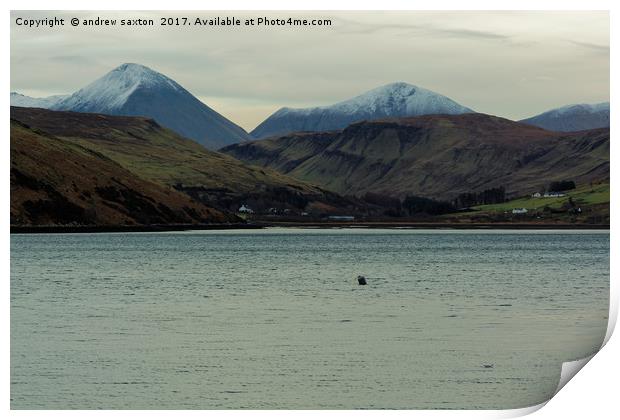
{"type": "Point", "coordinates": [392, 100]}
{"type": "Point", "coordinates": [437, 156]}
{"type": "Point", "coordinates": [57, 182]}
{"type": "Point", "coordinates": [159, 155]}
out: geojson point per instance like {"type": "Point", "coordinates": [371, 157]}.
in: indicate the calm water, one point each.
{"type": "Point", "coordinates": [275, 318]}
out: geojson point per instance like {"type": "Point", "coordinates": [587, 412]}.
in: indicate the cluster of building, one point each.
{"type": "Point", "coordinates": [548, 194]}
{"type": "Point", "coordinates": [246, 210]}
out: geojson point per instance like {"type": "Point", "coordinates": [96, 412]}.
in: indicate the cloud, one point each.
{"type": "Point", "coordinates": [73, 60]}
{"type": "Point", "coordinates": [598, 48]}
{"type": "Point", "coordinates": [472, 34]}
{"type": "Point", "coordinates": [348, 26]}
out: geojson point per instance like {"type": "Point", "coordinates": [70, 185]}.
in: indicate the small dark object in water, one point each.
{"type": "Point", "coordinates": [361, 280]}
{"type": "Point", "coordinates": [487, 366]}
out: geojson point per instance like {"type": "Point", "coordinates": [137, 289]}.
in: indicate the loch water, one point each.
{"type": "Point", "coordinates": [275, 318]}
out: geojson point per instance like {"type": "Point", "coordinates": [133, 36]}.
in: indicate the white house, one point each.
{"type": "Point", "coordinates": [519, 211]}
{"type": "Point", "coordinates": [245, 209]}
{"type": "Point", "coordinates": [536, 195]}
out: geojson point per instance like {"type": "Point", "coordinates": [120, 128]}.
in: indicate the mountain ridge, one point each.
{"type": "Point", "coordinates": [436, 156]}
{"type": "Point", "coordinates": [17, 99]}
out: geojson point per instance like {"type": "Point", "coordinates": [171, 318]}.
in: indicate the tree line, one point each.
{"type": "Point", "coordinates": [416, 205]}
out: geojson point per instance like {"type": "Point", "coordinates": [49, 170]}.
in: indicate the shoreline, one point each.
{"type": "Point", "coordinates": [308, 225]}
{"type": "Point", "coordinates": [129, 229]}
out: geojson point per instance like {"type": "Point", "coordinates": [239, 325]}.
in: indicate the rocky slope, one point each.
{"type": "Point", "coordinates": [437, 156]}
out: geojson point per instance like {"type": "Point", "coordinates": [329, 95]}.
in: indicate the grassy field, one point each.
{"type": "Point", "coordinates": [584, 195]}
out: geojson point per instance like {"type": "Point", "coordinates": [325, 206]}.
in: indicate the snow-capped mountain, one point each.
{"type": "Point", "coordinates": [17, 99]}
{"type": "Point", "coordinates": [392, 100]}
{"type": "Point", "coordinates": [573, 117]}
{"type": "Point", "coordinates": [136, 90]}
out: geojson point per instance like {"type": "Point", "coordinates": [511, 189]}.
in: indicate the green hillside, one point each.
{"type": "Point", "coordinates": [586, 204]}
{"type": "Point", "coordinates": [584, 195]}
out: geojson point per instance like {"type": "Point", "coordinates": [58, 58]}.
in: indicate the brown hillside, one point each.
{"type": "Point", "coordinates": [56, 182]}
{"type": "Point", "coordinates": [437, 156]}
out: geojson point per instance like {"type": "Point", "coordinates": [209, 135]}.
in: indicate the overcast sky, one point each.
{"type": "Point", "coordinates": [512, 64]}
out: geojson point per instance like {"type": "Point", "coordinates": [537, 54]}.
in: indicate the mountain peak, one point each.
{"type": "Point", "coordinates": [573, 117]}
{"type": "Point", "coordinates": [397, 86]}
{"type": "Point", "coordinates": [136, 72]}
{"type": "Point", "coordinates": [133, 89]}
{"type": "Point", "coordinates": [599, 107]}
{"type": "Point", "coordinates": [398, 99]}
{"type": "Point", "coordinates": [133, 66]}
{"type": "Point", "coordinates": [398, 95]}
{"type": "Point", "coordinates": [140, 75]}
{"type": "Point", "coordinates": [110, 92]}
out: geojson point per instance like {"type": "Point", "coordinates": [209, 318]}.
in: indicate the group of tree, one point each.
{"type": "Point", "coordinates": [561, 186]}
{"type": "Point", "coordinates": [488, 196]}
{"type": "Point", "coordinates": [416, 205]}
{"type": "Point", "coordinates": [411, 205]}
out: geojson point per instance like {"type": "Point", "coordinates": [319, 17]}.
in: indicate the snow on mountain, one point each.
{"type": "Point", "coordinates": [113, 90]}
{"type": "Point", "coordinates": [573, 117]}
{"type": "Point", "coordinates": [392, 100]}
{"type": "Point", "coordinates": [136, 90]}
{"type": "Point", "coordinates": [17, 99]}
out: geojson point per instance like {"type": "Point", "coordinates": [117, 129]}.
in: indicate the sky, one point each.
{"type": "Point", "coordinates": [510, 64]}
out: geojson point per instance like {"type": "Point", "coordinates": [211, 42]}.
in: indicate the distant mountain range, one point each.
{"type": "Point", "coordinates": [573, 117]}
{"type": "Point", "coordinates": [436, 156]}
{"type": "Point", "coordinates": [392, 100]}
{"type": "Point", "coordinates": [136, 90]}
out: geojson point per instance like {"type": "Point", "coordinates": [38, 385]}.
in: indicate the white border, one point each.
{"type": "Point", "coordinates": [592, 394]}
